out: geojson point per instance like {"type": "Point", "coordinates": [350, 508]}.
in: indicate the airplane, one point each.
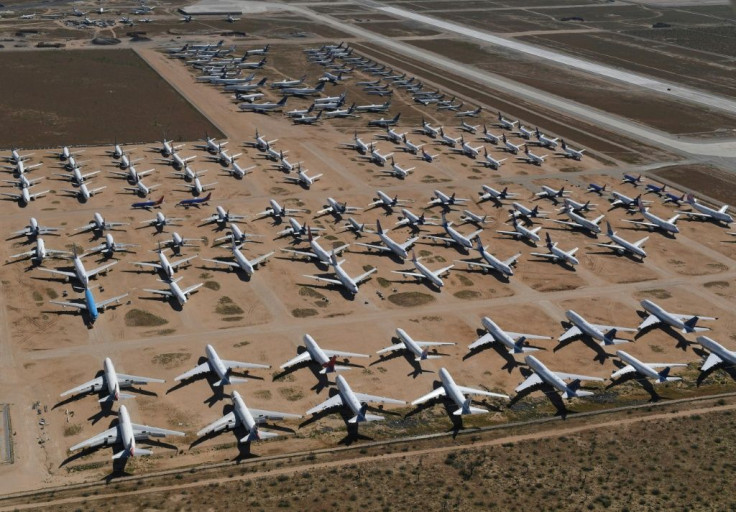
{"type": "Point", "coordinates": [470, 113]}
{"type": "Point", "coordinates": [707, 213]}
{"type": "Point", "coordinates": [76, 176]}
{"type": "Point", "coordinates": [21, 168]}
{"type": "Point", "coordinates": [248, 418]}
{"type": "Point", "coordinates": [341, 113]}
{"type": "Point", "coordinates": [99, 224]}
{"type": "Point", "coordinates": [175, 291]}
{"type": "Point", "coordinates": [409, 147]}
{"type": "Point", "coordinates": [25, 196]}
{"type": "Point", "coordinates": [489, 137]}
{"type": "Point", "coordinates": [621, 246]}
{"type": "Point", "coordinates": [131, 175]}
{"type": "Point", "coordinates": [597, 189]}
{"type": "Point", "coordinates": [374, 108]}
{"type": "Point", "coordinates": [655, 222]}
{"type": "Point", "coordinates": [469, 151]}
{"type": "Point", "coordinates": [111, 382]}
{"type": "Point", "coordinates": [28, 16]}
{"type": "Point", "coordinates": [619, 199]}
{"type": "Point", "coordinates": [651, 188]}
{"type": "Point", "coordinates": [265, 107]}
{"type": "Point", "coordinates": [415, 222]}
{"type": "Point", "coordinates": [389, 245]}
{"type": "Point", "coordinates": [469, 217]}
{"type": "Point", "coordinates": [15, 157]}
{"type": "Point", "coordinates": [360, 146]}
{"type": "Point", "coordinates": [550, 193]}
{"type": "Point", "coordinates": [556, 254]}
{"type": "Point", "coordinates": [575, 154]}
{"type": "Point", "coordinates": [487, 261]}
{"type": "Point", "coordinates": [161, 220]}
{"type": "Point", "coordinates": [124, 163]}
{"type": "Point", "coordinates": [65, 153]}
{"type": "Point", "coordinates": [545, 141]}
{"type": "Point", "coordinates": [427, 157]}
{"type": "Point", "coordinates": [346, 397]}
{"type": "Point", "coordinates": [246, 87]}
{"type": "Point", "coordinates": [648, 370]}
{"type": "Point", "coordinates": [525, 133]}
{"type": "Point", "coordinates": [457, 394]}
{"type": "Point", "coordinates": [491, 162]}
{"type": "Point", "coordinates": [281, 84]}
{"type": "Point", "coordinates": [659, 316]}
{"type": "Point", "coordinates": [491, 194]}
{"type": "Point", "coordinates": [384, 123]}
{"type": "Point", "coordinates": [303, 91]}
{"type": "Point", "coordinates": [109, 247]}
{"type": "Point", "coordinates": [455, 237]}
{"type": "Point", "coordinates": [515, 342]}
{"type": "Point", "coordinates": [83, 193]}
{"type": "Point", "coordinates": [343, 279]}
{"type": "Point", "coordinates": [236, 235]}
{"type": "Point", "coordinates": [166, 149]}
{"type": "Point", "coordinates": [718, 353]}
{"type": "Point", "coordinates": [377, 158]}
{"type": "Point", "coordinates": [303, 179]}
{"type": "Point", "coordinates": [543, 375]}
{"type": "Point", "coordinates": [177, 162]}
{"type": "Point", "coordinates": [428, 130]}
{"type": "Point", "coordinates": [210, 145]}
{"type": "Point", "coordinates": [188, 174]}
{"type": "Point", "coordinates": [318, 252]}
{"type": "Point", "coordinates": [231, 19]}
{"type": "Point", "coordinates": [446, 140]}
{"type": "Point", "coordinates": [307, 120]}
{"type": "Point", "coordinates": [71, 164]}
{"type": "Point", "coordinates": [284, 165]}
{"type": "Point", "coordinates": [518, 210]}
{"type": "Point", "coordinates": [578, 222]}
{"type": "Point", "coordinates": [385, 201]}
{"type": "Point", "coordinates": [632, 180]}
{"type": "Point", "coordinates": [141, 189]}
{"type": "Point", "coordinates": [578, 207]}
{"type": "Point", "coordinates": [581, 327]}
{"type": "Point", "coordinates": [147, 205]}
{"type": "Point", "coordinates": [39, 253]}
{"type": "Point", "coordinates": [116, 152]}
{"type": "Point", "coordinates": [674, 198]}
{"type": "Point", "coordinates": [240, 261]}
{"type": "Point", "coordinates": [510, 147]}
{"type": "Point", "coordinates": [441, 199]}
{"type": "Point", "coordinates": [126, 433]}
{"type": "Point", "coordinates": [506, 124]}
{"type": "Point", "coordinates": [34, 229]}
{"type": "Point", "coordinates": [336, 208]}
{"type": "Point", "coordinates": [532, 158]}
{"type": "Point", "coordinates": [392, 136]}
{"type": "Point", "coordinates": [433, 276]}
{"type": "Point", "coordinates": [164, 266]}
{"type": "Point", "coordinates": [418, 348]}
{"type": "Point", "coordinates": [398, 171]}
{"type": "Point", "coordinates": [522, 232]}
{"type": "Point", "coordinates": [252, 65]}
{"type": "Point", "coordinates": [295, 229]}
{"type": "Point", "coordinates": [197, 187]}
{"type": "Point", "coordinates": [276, 211]}
{"type": "Point", "coordinates": [81, 274]}
{"type": "Point", "coordinates": [177, 242]}
{"type": "Point", "coordinates": [327, 359]}
{"type": "Point", "coordinates": [224, 159]}
{"type": "Point", "coordinates": [194, 201]}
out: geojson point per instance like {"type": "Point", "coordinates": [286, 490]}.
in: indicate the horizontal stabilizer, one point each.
{"type": "Point", "coordinates": [469, 410]}
{"type": "Point", "coordinates": [578, 393]}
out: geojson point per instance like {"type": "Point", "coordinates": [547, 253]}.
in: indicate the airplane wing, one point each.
{"type": "Point", "coordinates": [440, 238]}
{"type": "Point", "coordinates": [392, 348]}
{"type": "Point", "coordinates": [512, 233]}
{"type": "Point", "coordinates": [300, 253]}
{"type": "Point", "coordinates": [226, 422]}
{"type": "Point", "coordinates": [340, 353]}
{"type": "Point", "coordinates": [544, 255]}
{"type": "Point", "coordinates": [134, 379]}
{"type": "Point", "coordinates": [324, 279]}
{"type": "Point", "coordinates": [145, 430]}
{"type": "Point", "coordinates": [176, 264]}
{"type": "Point", "coordinates": [363, 277]}
{"type": "Point", "coordinates": [197, 370]}
{"type": "Point", "coordinates": [623, 371]}
{"type": "Point", "coordinates": [87, 386]}
{"type": "Point", "coordinates": [239, 364]}
{"type": "Point", "coordinates": [530, 382]}
{"type": "Point", "coordinates": [102, 268]}
{"type": "Point", "coordinates": [362, 397]}
{"type": "Point", "coordinates": [167, 293]}
{"type": "Point", "coordinates": [78, 305]}
{"type": "Point", "coordinates": [517, 335]}
{"type": "Point", "coordinates": [641, 223]}
{"type": "Point", "coordinates": [335, 401]}
{"type": "Point", "coordinates": [222, 262]}
{"type": "Point", "coordinates": [567, 223]}
{"type": "Point", "coordinates": [649, 321]}
{"type": "Point", "coordinates": [109, 436]}
{"type": "Point", "coordinates": [271, 415]}
{"type": "Point", "coordinates": [712, 360]}
{"type": "Point", "coordinates": [60, 272]}
{"type": "Point", "coordinates": [473, 391]}
{"type": "Point", "coordinates": [574, 376]}
{"type": "Point", "coordinates": [410, 274]}
{"type": "Point", "coordinates": [570, 333]}
{"type": "Point", "coordinates": [187, 291]}
{"type": "Point", "coordinates": [440, 391]}
{"type": "Point", "coordinates": [483, 340]}
{"type": "Point", "coordinates": [612, 245]}
{"type": "Point", "coordinates": [609, 327]}
{"type": "Point", "coordinates": [443, 270]}
{"type": "Point", "coordinates": [301, 358]}
{"type": "Point", "coordinates": [688, 317]}
{"type": "Point", "coordinates": [376, 247]}
{"type": "Point", "coordinates": [261, 259]}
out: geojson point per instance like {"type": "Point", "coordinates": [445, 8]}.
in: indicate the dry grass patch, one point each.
{"type": "Point", "coordinates": [140, 318]}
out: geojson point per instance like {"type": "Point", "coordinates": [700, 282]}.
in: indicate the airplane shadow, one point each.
{"type": "Point", "coordinates": [551, 394]}
{"type": "Point", "coordinates": [627, 255]}
{"type": "Point", "coordinates": [730, 370]}
{"type": "Point", "coordinates": [172, 302]}
{"type": "Point", "coordinates": [682, 342]}
{"type": "Point", "coordinates": [564, 265]}
{"type": "Point", "coordinates": [242, 275]}
{"type": "Point", "coordinates": [332, 287]}
{"type": "Point", "coordinates": [644, 382]}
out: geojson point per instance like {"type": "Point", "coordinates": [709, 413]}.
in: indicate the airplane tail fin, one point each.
{"type": "Point", "coordinates": [573, 390]}
{"type": "Point", "coordinates": [329, 366]}
{"type": "Point", "coordinates": [519, 346]}
{"type": "Point", "coordinates": [664, 373]}
{"type": "Point", "coordinates": [690, 326]}
{"type": "Point", "coordinates": [282, 101]}
{"type": "Point", "coordinates": [610, 338]}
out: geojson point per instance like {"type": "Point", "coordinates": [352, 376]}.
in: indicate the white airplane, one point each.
{"type": "Point", "coordinates": [439, 198]}
{"type": "Point", "coordinates": [110, 246]}
{"type": "Point", "coordinates": [15, 157]}
{"type": "Point", "coordinates": [141, 189]}
{"type": "Point", "coordinates": [446, 140]}
{"type": "Point", "coordinates": [161, 220]}
{"type": "Point", "coordinates": [428, 130]}
{"type": "Point", "coordinates": [392, 136]}
{"type": "Point", "coordinates": [327, 359]}
{"type": "Point", "coordinates": [469, 128]}
{"type": "Point", "coordinates": [111, 382]}
{"type": "Point", "coordinates": [649, 370]}
{"type": "Point", "coordinates": [303, 179]}
{"type": "Point", "coordinates": [176, 242]}
{"type": "Point", "coordinates": [509, 146]}
{"type": "Point", "coordinates": [525, 133]}
{"type": "Point", "coordinates": [376, 157]}
{"type": "Point", "coordinates": [491, 194]}
{"type": "Point", "coordinates": [237, 171]}
{"type": "Point", "coordinates": [578, 207]}
{"type": "Point", "coordinates": [358, 145]}
{"type": "Point", "coordinates": [343, 278]}
{"type": "Point", "coordinates": [455, 237]}
{"type": "Point", "coordinates": [260, 143]}
{"type": "Point", "coordinates": [506, 124]}
{"type": "Point", "coordinates": [468, 150]}
{"type": "Point", "coordinates": [542, 374]}
{"type": "Point", "coordinates": [116, 152]}
{"type": "Point", "coordinates": [515, 342]}
{"type": "Point", "coordinates": [286, 166]}
{"type": "Point", "coordinates": [25, 196]}
{"type": "Point", "coordinates": [248, 418]}
{"type": "Point", "coordinates": [581, 327]}
{"type": "Point", "coordinates": [389, 245]}
{"type": "Point", "coordinates": [385, 201]}
{"type": "Point", "coordinates": [34, 229]}
{"type": "Point", "coordinates": [177, 162]}
{"type": "Point", "coordinates": [398, 171]}
{"type": "Point", "coordinates": [521, 231]}
{"type": "Point", "coordinates": [276, 211]}
{"type": "Point", "coordinates": [659, 316]}
{"type": "Point", "coordinates": [99, 224]}
{"type": "Point", "coordinates": [126, 433]}
{"type": "Point", "coordinates": [222, 217]}
{"type": "Point", "coordinates": [21, 168]}
{"type": "Point", "coordinates": [83, 193]}
{"type": "Point", "coordinates": [433, 276]}
{"type": "Point", "coordinates": [415, 222]}
{"type": "Point", "coordinates": [575, 154]}
{"type": "Point", "coordinates": [489, 161]}
{"type": "Point", "coordinates": [487, 261]}
{"type": "Point", "coordinates": [706, 213]}
{"type": "Point", "coordinates": [346, 397]}
{"type": "Point", "coordinates": [166, 268]}
{"type": "Point", "coordinates": [578, 222]}
{"type": "Point", "coordinates": [469, 217]}
{"type": "Point", "coordinates": [556, 254]}
{"type": "Point", "coordinates": [621, 246]}
{"type": "Point", "coordinates": [409, 147]}
{"type": "Point", "coordinates": [265, 107]}
{"type": "Point", "coordinates": [295, 229]}
{"type": "Point", "coordinates": [81, 274]}
{"type": "Point", "coordinates": [426, 157]}
{"type": "Point", "coordinates": [318, 252]}
{"type": "Point", "coordinates": [457, 394]}
{"type": "Point", "coordinates": [222, 368]}
{"type": "Point", "coordinates": [167, 149]}
{"type": "Point", "coordinates": [40, 252]}
{"type": "Point", "coordinates": [240, 261]}
{"type": "Point", "coordinates": [518, 210]}
{"type": "Point", "coordinates": [545, 141]}
{"type": "Point", "coordinates": [653, 222]}
{"type": "Point", "coordinates": [718, 353]}
{"type": "Point", "coordinates": [489, 137]}
{"type": "Point", "coordinates": [418, 348]}
{"type": "Point", "coordinates": [225, 159]}
{"type": "Point", "coordinates": [131, 175]}
{"type": "Point", "coordinates": [532, 158]}
{"type": "Point", "coordinates": [123, 164]}
{"type": "Point", "coordinates": [550, 193]}
{"type": "Point", "coordinates": [337, 208]}
{"type": "Point", "coordinates": [619, 199]}
{"type": "Point", "coordinates": [236, 235]}
{"type": "Point", "coordinates": [76, 176]}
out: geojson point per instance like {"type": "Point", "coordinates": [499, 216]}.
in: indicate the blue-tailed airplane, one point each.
{"type": "Point", "coordinates": [89, 305]}
{"type": "Point", "coordinates": [147, 205]}
{"type": "Point", "coordinates": [195, 201]}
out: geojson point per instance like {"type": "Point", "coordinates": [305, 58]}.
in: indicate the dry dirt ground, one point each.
{"type": "Point", "coordinates": [262, 319]}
